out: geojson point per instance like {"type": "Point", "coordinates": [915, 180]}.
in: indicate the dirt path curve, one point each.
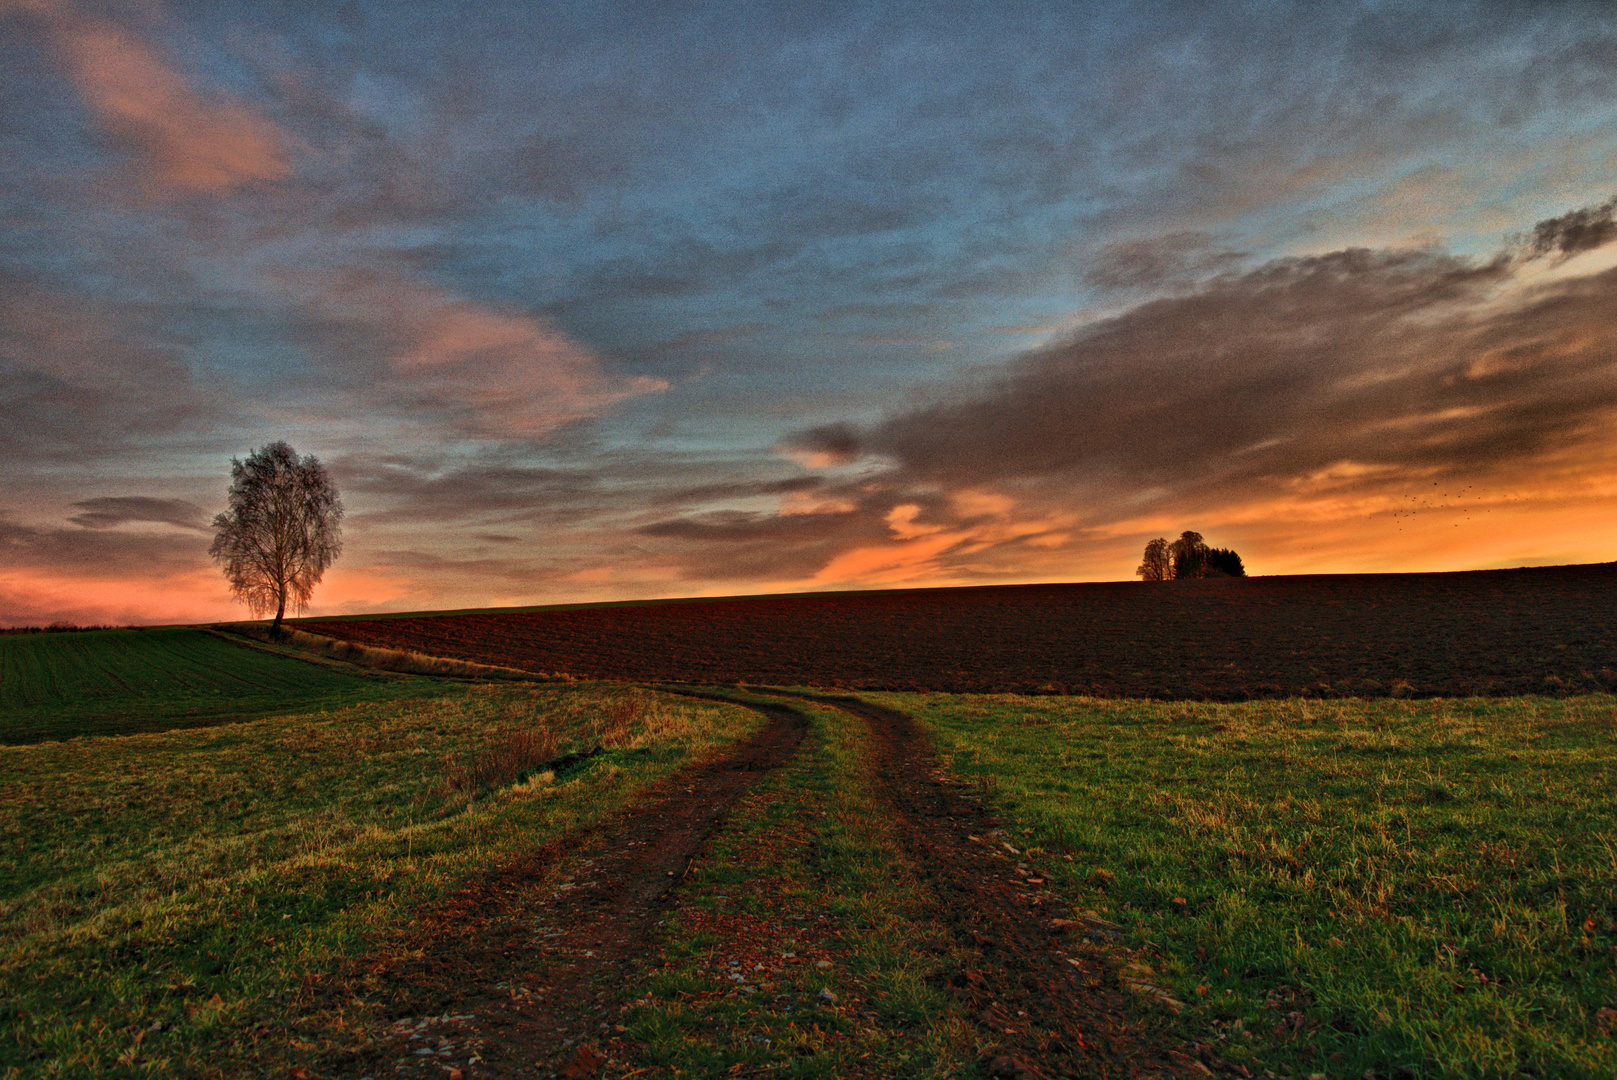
{"type": "Point", "coordinates": [1044, 989]}
{"type": "Point", "coordinates": [520, 974]}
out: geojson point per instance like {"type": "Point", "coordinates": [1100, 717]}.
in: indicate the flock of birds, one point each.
{"type": "Point", "coordinates": [1414, 504]}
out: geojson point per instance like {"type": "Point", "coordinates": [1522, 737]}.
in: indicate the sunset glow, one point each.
{"type": "Point", "coordinates": [638, 303]}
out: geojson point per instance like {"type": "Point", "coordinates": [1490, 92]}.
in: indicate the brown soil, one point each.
{"type": "Point", "coordinates": [1044, 987]}
{"type": "Point", "coordinates": [1542, 630]}
{"type": "Point", "coordinates": [523, 973]}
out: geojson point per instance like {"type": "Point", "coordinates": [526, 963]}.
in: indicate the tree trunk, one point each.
{"type": "Point", "coordinates": [275, 627]}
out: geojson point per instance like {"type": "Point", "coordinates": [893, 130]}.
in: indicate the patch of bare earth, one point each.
{"type": "Point", "coordinates": [523, 973]}
{"type": "Point", "coordinates": [1051, 992]}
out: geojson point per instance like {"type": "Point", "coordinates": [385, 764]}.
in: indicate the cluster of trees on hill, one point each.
{"type": "Point", "coordinates": [1188, 557]}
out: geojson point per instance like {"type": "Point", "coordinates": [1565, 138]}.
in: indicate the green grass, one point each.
{"type": "Point", "coordinates": [1334, 887]}
{"type": "Point", "coordinates": [167, 901]}
{"type": "Point", "coordinates": [102, 682]}
{"type": "Point", "coordinates": [1330, 887]}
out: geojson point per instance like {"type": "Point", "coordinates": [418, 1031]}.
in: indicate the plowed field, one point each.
{"type": "Point", "coordinates": [1538, 630]}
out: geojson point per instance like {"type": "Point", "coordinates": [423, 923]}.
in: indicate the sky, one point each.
{"type": "Point", "coordinates": [586, 301]}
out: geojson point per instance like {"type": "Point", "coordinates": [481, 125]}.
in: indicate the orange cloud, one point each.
{"type": "Point", "coordinates": [888, 564]}
{"type": "Point", "coordinates": [948, 552]}
{"type": "Point", "coordinates": [185, 142]}
{"type": "Point", "coordinates": [812, 502]}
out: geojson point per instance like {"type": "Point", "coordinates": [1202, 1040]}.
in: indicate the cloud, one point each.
{"type": "Point", "coordinates": [109, 511]}
{"type": "Point", "coordinates": [1581, 230]}
{"type": "Point", "coordinates": [100, 553]}
{"type": "Point", "coordinates": [435, 490]}
{"type": "Point", "coordinates": [791, 486]}
{"type": "Point", "coordinates": [184, 141]}
{"type": "Point", "coordinates": [1353, 370]}
{"type": "Point", "coordinates": [738, 526]}
{"type": "Point", "coordinates": [470, 368]}
{"type": "Point", "coordinates": [824, 446]}
{"type": "Point", "coordinates": [83, 379]}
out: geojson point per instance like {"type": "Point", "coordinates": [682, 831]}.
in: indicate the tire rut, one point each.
{"type": "Point", "coordinates": [519, 975]}
{"type": "Point", "coordinates": [1049, 1001]}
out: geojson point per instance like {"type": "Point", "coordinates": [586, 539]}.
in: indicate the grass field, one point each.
{"type": "Point", "coordinates": [1392, 888]}
{"type": "Point", "coordinates": [103, 682]}
{"type": "Point", "coordinates": [1426, 889]}
{"type": "Point", "coordinates": [169, 900]}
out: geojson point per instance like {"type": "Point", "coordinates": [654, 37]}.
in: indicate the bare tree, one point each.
{"type": "Point", "coordinates": [1157, 566]}
{"type": "Point", "coordinates": [282, 532]}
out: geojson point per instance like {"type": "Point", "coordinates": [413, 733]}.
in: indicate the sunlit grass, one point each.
{"type": "Point", "coordinates": [1335, 886]}
{"type": "Point", "coordinates": [165, 899]}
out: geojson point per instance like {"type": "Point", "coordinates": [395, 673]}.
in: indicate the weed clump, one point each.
{"type": "Point", "coordinates": [506, 762]}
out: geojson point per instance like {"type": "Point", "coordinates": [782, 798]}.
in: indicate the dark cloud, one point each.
{"type": "Point", "coordinates": [97, 553]}
{"type": "Point", "coordinates": [740, 546]}
{"type": "Point", "coordinates": [1581, 230]}
{"type": "Point", "coordinates": [1399, 361]}
{"type": "Point", "coordinates": [828, 444]}
{"type": "Point", "coordinates": [428, 489]}
{"type": "Point", "coordinates": [109, 511]}
{"type": "Point", "coordinates": [742, 490]}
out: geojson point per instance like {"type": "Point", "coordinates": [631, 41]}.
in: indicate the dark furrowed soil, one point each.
{"type": "Point", "coordinates": [523, 973]}
{"type": "Point", "coordinates": [1045, 987]}
{"type": "Point", "coordinates": [1541, 630]}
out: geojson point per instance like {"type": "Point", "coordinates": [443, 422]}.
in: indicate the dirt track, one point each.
{"type": "Point", "coordinates": [524, 973]}
{"type": "Point", "coordinates": [1544, 630]}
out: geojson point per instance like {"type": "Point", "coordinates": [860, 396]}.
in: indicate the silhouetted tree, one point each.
{"type": "Point", "coordinates": [1156, 566]}
{"type": "Point", "coordinates": [1189, 555]}
{"type": "Point", "coordinates": [282, 532]}
{"type": "Point", "coordinates": [1223, 561]}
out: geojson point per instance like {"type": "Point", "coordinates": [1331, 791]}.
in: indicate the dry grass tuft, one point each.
{"type": "Point", "coordinates": [618, 721]}
{"type": "Point", "coordinates": [637, 719]}
{"type": "Point", "coordinates": [505, 762]}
